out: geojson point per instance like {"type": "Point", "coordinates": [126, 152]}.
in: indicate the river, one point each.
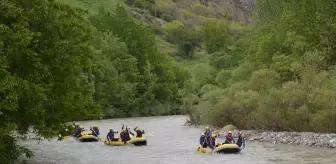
{"type": "Point", "coordinates": [171, 143]}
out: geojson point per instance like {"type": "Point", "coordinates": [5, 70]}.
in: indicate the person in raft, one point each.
{"type": "Point", "coordinates": [212, 141]}
{"type": "Point", "coordinates": [78, 131]}
{"type": "Point", "coordinates": [128, 130]}
{"type": "Point", "coordinates": [110, 135]}
{"type": "Point", "coordinates": [95, 130]}
{"type": "Point", "coordinates": [125, 134]}
{"type": "Point", "coordinates": [240, 141]}
{"type": "Point", "coordinates": [208, 133]}
{"type": "Point", "coordinates": [203, 141]}
{"type": "Point", "coordinates": [138, 132]}
{"type": "Point", "coordinates": [229, 138]}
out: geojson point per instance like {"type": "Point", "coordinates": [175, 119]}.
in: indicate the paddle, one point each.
{"type": "Point", "coordinates": [243, 143]}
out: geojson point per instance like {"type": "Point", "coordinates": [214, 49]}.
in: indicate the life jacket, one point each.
{"type": "Point", "coordinates": [110, 135]}
{"type": "Point", "coordinates": [213, 141]}
{"type": "Point", "coordinates": [229, 138]}
{"type": "Point", "coordinates": [138, 133]}
{"type": "Point", "coordinates": [123, 136]}
{"type": "Point", "coordinates": [202, 139]}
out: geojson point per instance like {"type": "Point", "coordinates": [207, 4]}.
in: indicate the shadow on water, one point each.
{"type": "Point", "coordinates": [171, 143]}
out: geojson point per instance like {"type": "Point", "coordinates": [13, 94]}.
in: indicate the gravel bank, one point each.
{"type": "Point", "coordinates": [324, 140]}
{"type": "Point", "coordinates": [293, 138]}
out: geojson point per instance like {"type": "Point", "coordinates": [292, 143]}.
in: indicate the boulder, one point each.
{"type": "Point", "coordinates": [228, 128]}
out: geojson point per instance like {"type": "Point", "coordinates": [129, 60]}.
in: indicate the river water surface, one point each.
{"type": "Point", "coordinates": [171, 143]}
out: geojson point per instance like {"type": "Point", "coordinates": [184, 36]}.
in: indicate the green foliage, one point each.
{"type": "Point", "coordinates": [57, 66]}
{"type": "Point", "coordinates": [173, 31]}
{"type": "Point", "coordinates": [186, 39]}
{"type": "Point", "coordinates": [216, 35]}
{"type": "Point", "coordinates": [143, 4]}
{"type": "Point", "coordinates": [46, 55]}
{"type": "Point", "coordinates": [92, 6]}
{"type": "Point", "coordinates": [277, 75]}
{"type": "Point", "coordinates": [166, 10]}
{"type": "Point", "coordinates": [146, 77]}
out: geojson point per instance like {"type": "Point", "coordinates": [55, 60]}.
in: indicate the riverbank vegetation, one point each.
{"type": "Point", "coordinates": [277, 75]}
{"type": "Point", "coordinates": [76, 60]}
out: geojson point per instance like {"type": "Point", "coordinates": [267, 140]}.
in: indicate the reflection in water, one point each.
{"type": "Point", "coordinates": [171, 143]}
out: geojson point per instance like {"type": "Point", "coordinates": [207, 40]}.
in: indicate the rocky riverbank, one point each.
{"type": "Point", "coordinates": [293, 138]}
{"type": "Point", "coordinates": [325, 140]}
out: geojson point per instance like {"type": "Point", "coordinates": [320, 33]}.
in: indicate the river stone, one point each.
{"type": "Point", "coordinates": [229, 128]}
{"type": "Point", "coordinates": [332, 143]}
{"type": "Point", "coordinates": [294, 138]}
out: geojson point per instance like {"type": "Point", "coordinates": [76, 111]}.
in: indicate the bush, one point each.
{"type": "Point", "coordinates": [173, 31]}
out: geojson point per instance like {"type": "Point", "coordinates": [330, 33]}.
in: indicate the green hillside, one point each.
{"type": "Point", "coordinates": [93, 5]}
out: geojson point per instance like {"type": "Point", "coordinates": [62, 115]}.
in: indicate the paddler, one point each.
{"type": "Point", "coordinates": [123, 135]}
{"type": "Point", "coordinates": [207, 134]}
{"type": "Point", "coordinates": [128, 130]}
{"type": "Point", "coordinates": [203, 142]}
{"type": "Point", "coordinates": [229, 138]}
{"type": "Point", "coordinates": [212, 141]}
{"type": "Point", "coordinates": [95, 130]}
{"type": "Point", "coordinates": [78, 131]}
{"type": "Point", "coordinates": [110, 135]}
{"type": "Point", "coordinates": [139, 132]}
{"type": "Point", "coordinates": [240, 141]}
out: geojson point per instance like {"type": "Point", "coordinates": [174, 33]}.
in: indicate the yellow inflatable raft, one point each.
{"type": "Point", "coordinates": [87, 137]}
{"type": "Point", "coordinates": [223, 148]}
{"type": "Point", "coordinates": [135, 141]}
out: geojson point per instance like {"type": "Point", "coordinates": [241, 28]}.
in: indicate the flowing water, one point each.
{"type": "Point", "coordinates": [171, 143]}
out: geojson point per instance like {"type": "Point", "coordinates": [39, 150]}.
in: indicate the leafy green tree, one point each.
{"type": "Point", "coordinates": [186, 39]}
{"type": "Point", "coordinates": [115, 75]}
{"type": "Point", "coordinates": [173, 31]}
{"type": "Point", "coordinates": [150, 73]}
{"type": "Point", "coordinates": [45, 54]}
{"type": "Point", "coordinates": [216, 35]}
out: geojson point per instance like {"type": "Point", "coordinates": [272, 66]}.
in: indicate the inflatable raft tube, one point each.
{"type": "Point", "coordinates": [87, 137]}
{"type": "Point", "coordinates": [224, 148]}
{"type": "Point", "coordinates": [135, 141]}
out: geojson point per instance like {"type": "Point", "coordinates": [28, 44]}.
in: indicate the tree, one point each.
{"type": "Point", "coordinates": [173, 31]}
{"type": "Point", "coordinates": [186, 39]}
{"type": "Point", "coordinates": [151, 74]}
{"type": "Point", "coordinates": [45, 54]}
{"type": "Point", "coordinates": [216, 35]}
